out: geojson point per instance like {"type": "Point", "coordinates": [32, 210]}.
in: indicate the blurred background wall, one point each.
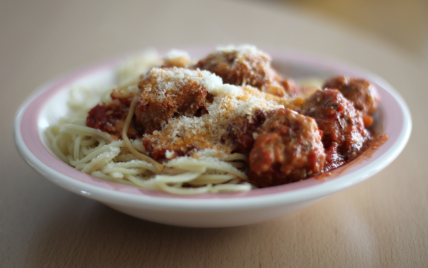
{"type": "Point", "coordinates": [403, 23]}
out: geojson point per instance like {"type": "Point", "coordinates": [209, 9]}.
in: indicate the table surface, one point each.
{"type": "Point", "coordinates": [381, 222]}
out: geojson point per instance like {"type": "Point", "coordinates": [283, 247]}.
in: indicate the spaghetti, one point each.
{"type": "Point", "coordinates": [181, 130]}
{"type": "Point", "coordinates": [125, 161]}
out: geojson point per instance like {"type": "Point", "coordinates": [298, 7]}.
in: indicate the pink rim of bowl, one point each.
{"type": "Point", "coordinates": [30, 125]}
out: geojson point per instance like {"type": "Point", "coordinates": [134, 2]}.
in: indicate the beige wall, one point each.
{"type": "Point", "coordinates": [401, 22]}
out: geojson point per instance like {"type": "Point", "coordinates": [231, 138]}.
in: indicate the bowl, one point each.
{"type": "Point", "coordinates": [48, 104]}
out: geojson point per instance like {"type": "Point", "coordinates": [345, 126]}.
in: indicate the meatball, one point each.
{"type": "Point", "coordinates": [169, 93]}
{"type": "Point", "coordinates": [241, 130]}
{"type": "Point", "coordinates": [288, 148]}
{"type": "Point", "coordinates": [343, 132]}
{"type": "Point", "coordinates": [247, 65]}
{"type": "Point", "coordinates": [359, 91]}
{"type": "Point", "coordinates": [178, 138]}
{"type": "Point", "coordinates": [110, 117]}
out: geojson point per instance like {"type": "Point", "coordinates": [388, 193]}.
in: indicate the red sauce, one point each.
{"type": "Point", "coordinates": [110, 117]}
{"type": "Point", "coordinates": [366, 153]}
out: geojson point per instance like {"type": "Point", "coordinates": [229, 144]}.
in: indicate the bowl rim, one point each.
{"type": "Point", "coordinates": [209, 202]}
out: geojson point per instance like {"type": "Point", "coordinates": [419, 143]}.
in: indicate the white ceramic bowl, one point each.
{"type": "Point", "coordinates": [48, 104]}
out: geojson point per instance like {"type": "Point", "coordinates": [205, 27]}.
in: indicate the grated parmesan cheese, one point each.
{"type": "Point", "coordinates": [175, 53]}
{"type": "Point", "coordinates": [165, 81]}
{"type": "Point", "coordinates": [176, 58]}
{"type": "Point", "coordinates": [169, 154]}
{"type": "Point", "coordinates": [242, 49]}
{"type": "Point", "coordinates": [210, 131]}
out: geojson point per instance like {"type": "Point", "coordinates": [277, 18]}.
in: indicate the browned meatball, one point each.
{"type": "Point", "coordinates": [168, 93]}
{"type": "Point", "coordinates": [249, 66]}
{"type": "Point", "coordinates": [359, 91]}
{"type": "Point", "coordinates": [341, 124]}
{"type": "Point", "coordinates": [287, 149]}
{"type": "Point", "coordinates": [241, 130]}
{"type": "Point", "coordinates": [158, 143]}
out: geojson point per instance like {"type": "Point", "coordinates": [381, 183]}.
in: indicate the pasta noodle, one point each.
{"type": "Point", "coordinates": [93, 152]}
{"type": "Point", "coordinates": [228, 123]}
{"type": "Point", "coordinates": [124, 161]}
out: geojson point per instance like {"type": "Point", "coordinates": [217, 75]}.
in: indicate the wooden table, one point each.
{"type": "Point", "coordinates": [382, 222]}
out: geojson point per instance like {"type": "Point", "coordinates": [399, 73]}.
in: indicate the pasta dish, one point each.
{"type": "Point", "coordinates": [227, 122]}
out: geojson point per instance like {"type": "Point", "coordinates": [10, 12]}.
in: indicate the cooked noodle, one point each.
{"type": "Point", "coordinates": [125, 161]}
